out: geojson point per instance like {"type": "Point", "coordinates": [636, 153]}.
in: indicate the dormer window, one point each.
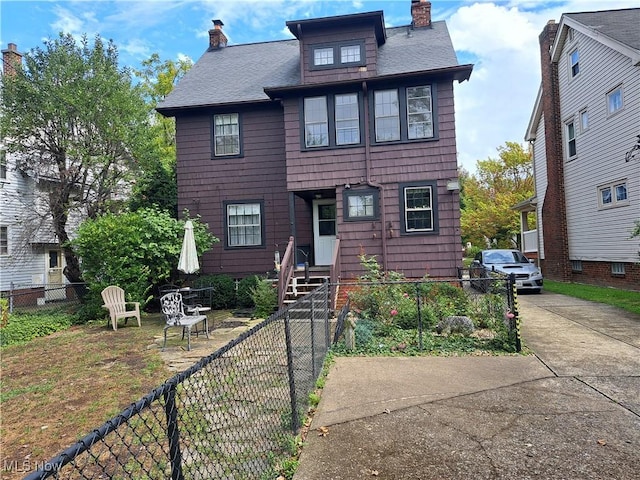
{"type": "Point", "coordinates": [339, 54]}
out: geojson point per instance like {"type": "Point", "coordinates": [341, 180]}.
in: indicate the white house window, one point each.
{"type": "Point", "coordinates": [571, 139]}
{"type": "Point", "coordinates": [350, 54]}
{"type": "Point", "coordinates": [574, 62]}
{"type": "Point", "coordinates": [613, 194]}
{"type": "Point", "coordinates": [617, 268]}
{"type": "Point", "coordinates": [244, 224]}
{"type": "Point", "coordinates": [576, 265]}
{"type": "Point", "coordinates": [419, 112]}
{"type": "Point", "coordinates": [226, 134]}
{"type": "Point", "coordinates": [3, 165]}
{"type": "Point", "coordinates": [360, 204]}
{"type": "Point", "coordinates": [614, 100]}
{"type": "Point", "coordinates": [387, 115]}
{"type": "Point", "coordinates": [419, 208]}
{"type": "Point", "coordinates": [347, 119]}
{"type": "Point", "coordinates": [323, 56]}
{"type": "Point", "coordinates": [4, 241]}
{"type": "Point", "coordinates": [316, 122]}
{"type": "Point", "coordinates": [584, 120]}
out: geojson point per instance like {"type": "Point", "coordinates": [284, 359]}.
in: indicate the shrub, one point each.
{"type": "Point", "coordinates": [224, 290]}
{"type": "Point", "coordinates": [265, 298]}
{"type": "Point", "coordinates": [245, 289]}
{"type": "Point", "coordinates": [24, 327]}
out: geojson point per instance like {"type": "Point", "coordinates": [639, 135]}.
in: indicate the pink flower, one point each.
{"type": "Point", "coordinates": [510, 315]}
{"type": "Point", "coordinates": [405, 295]}
{"type": "Point", "coordinates": [394, 312]}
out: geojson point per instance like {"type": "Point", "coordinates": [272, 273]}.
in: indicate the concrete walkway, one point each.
{"type": "Point", "coordinates": [571, 411]}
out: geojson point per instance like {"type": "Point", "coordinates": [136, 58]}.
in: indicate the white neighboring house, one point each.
{"type": "Point", "coordinates": [30, 254]}
{"type": "Point", "coordinates": [584, 131]}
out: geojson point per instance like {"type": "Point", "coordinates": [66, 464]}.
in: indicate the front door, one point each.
{"type": "Point", "coordinates": [55, 289]}
{"type": "Point", "coordinates": [324, 230]}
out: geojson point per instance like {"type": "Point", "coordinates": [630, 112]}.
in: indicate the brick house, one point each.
{"type": "Point", "coordinates": [337, 142]}
{"type": "Point", "coordinates": [586, 150]}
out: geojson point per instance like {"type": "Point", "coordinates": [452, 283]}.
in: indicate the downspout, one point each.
{"type": "Point", "coordinates": [371, 183]}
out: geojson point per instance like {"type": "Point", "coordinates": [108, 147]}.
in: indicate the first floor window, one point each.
{"type": "Point", "coordinates": [418, 202]}
{"type": "Point", "coordinates": [360, 204]}
{"type": "Point", "coordinates": [4, 241]}
{"type": "Point", "coordinates": [613, 194]}
{"type": "Point", "coordinates": [614, 100]}
{"type": "Point", "coordinates": [316, 122]}
{"type": "Point", "coordinates": [244, 224]}
{"type": "Point", "coordinates": [226, 134]}
{"type": "Point", "coordinates": [571, 140]}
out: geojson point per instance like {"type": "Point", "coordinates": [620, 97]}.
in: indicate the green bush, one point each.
{"type": "Point", "coordinates": [224, 290]}
{"type": "Point", "coordinates": [23, 327]}
{"type": "Point", "coordinates": [245, 289]}
{"type": "Point", "coordinates": [265, 298]}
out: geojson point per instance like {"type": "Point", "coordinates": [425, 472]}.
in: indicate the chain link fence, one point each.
{"type": "Point", "coordinates": [232, 415]}
{"type": "Point", "coordinates": [34, 297]}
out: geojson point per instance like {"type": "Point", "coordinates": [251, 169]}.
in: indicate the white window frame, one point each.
{"type": "Point", "coordinates": [226, 127]}
{"type": "Point", "coordinates": [613, 190]}
{"type": "Point", "coordinates": [407, 210]}
{"type": "Point", "coordinates": [615, 100]}
{"type": "Point", "coordinates": [584, 120]}
{"type": "Point", "coordinates": [617, 268]}
{"type": "Point", "coordinates": [570, 137]}
{"type": "Point", "coordinates": [3, 164]}
{"type": "Point", "coordinates": [574, 62]}
{"type": "Point", "coordinates": [242, 230]}
{"type": "Point", "coordinates": [4, 240]}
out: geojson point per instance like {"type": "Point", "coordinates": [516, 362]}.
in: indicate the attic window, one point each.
{"type": "Point", "coordinates": [338, 54]}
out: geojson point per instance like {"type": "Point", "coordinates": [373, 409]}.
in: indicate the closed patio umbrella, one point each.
{"type": "Point", "coordinates": [188, 262]}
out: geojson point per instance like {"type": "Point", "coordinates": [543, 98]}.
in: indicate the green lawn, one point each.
{"type": "Point", "coordinates": [626, 299]}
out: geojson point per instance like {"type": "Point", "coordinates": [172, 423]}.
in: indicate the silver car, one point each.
{"type": "Point", "coordinates": [527, 275]}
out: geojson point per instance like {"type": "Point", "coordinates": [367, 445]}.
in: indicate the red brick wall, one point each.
{"type": "Point", "coordinates": [599, 273]}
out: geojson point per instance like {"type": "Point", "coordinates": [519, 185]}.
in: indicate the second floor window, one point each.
{"type": "Point", "coordinates": [614, 100]}
{"type": "Point", "coordinates": [403, 114]}
{"type": "Point", "coordinates": [4, 241]}
{"type": "Point", "coordinates": [337, 54]}
{"type": "Point", "coordinates": [574, 62]}
{"type": "Point", "coordinates": [612, 195]}
{"type": "Point", "coordinates": [571, 140]}
{"type": "Point", "coordinates": [226, 134]}
{"type": "Point", "coordinates": [332, 120]}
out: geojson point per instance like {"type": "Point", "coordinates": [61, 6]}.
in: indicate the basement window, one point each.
{"type": "Point", "coordinates": [617, 268]}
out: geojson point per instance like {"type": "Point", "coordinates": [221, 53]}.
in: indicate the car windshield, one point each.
{"type": "Point", "coordinates": [504, 257]}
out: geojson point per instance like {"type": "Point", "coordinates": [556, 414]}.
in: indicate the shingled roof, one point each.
{"type": "Point", "coordinates": [621, 25]}
{"type": "Point", "coordinates": [241, 73]}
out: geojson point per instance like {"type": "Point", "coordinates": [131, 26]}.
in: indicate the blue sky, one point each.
{"type": "Point", "coordinates": [500, 38]}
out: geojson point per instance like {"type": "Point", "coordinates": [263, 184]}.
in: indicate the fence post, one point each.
{"type": "Point", "coordinates": [327, 332]}
{"type": "Point", "coordinates": [313, 335]}
{"type": "Point", "coordinates": [292, 383]}
{"type": "Point", "coordinates": [175, 456]}
{"type": "Point", "coordinates": [514, 323]}
{"type": "Point", "coordinates": [11, 286]}
{"type": "Point", "coordinates": [419, 316]}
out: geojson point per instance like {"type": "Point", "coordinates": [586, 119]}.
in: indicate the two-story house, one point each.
{"type": "Point", "coordinates": [584, 128]}
{"type": "Point", "coordinates": [31, 260]}
{"type": "Point", "coordinates": [338, 142]}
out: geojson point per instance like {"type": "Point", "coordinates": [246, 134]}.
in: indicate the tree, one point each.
{"type": "Point", "coordinates": [488, 196]}
{"type": "Point", "coordinates": [144, 247]}
{"type": "Point", "coordinates": [157, 185]}
{"type": "Point", "coordinates": [75, 122]}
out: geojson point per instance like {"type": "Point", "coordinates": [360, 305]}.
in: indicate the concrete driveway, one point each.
{"type": "Point", "coordinates": [571, 411]}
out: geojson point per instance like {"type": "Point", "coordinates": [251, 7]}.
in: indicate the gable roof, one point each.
{"type": "Point", "coordinates": [617, 29]}
{"type": "Point", "coordinates": [241, 73]}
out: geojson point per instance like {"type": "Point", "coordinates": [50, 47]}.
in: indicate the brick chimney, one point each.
{"type": "Point", "coordinates": [11, 59]}
{"type": "Point", "coordinates": [217, 38]}
{"type": "Point", "coordinates": [420, 13]}
{"type": "Point", "coordinates": [556, 264]}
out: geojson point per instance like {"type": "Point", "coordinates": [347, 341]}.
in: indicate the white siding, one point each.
{"type": "Point", "coordinates": [540, 176]}
{"type": "Point", "coordinates": [594, 233]}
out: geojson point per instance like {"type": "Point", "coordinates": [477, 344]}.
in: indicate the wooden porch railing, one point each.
{"type": "Point", "coordinates": [286, 271]}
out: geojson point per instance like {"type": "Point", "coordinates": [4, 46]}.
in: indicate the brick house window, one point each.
{"type": "Point", "coordinates": [614, 100]}
{"type": "Point", "coordinates": [617, 268]}
{"type": "Point", "coordinates": [570, 131]}
{"type": "Point", "coordinates": [226, 134]}
{"type": "Point", "coordinates": [419, 208]}
{"type": "Point", "coordinates": [244, 224]}
{"type": "Point", "coordinates": [360, 204]}
{"type": "Point", "coordinates": [4, 241]}
{"type": "Point", "coordinates": [576, 266]}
